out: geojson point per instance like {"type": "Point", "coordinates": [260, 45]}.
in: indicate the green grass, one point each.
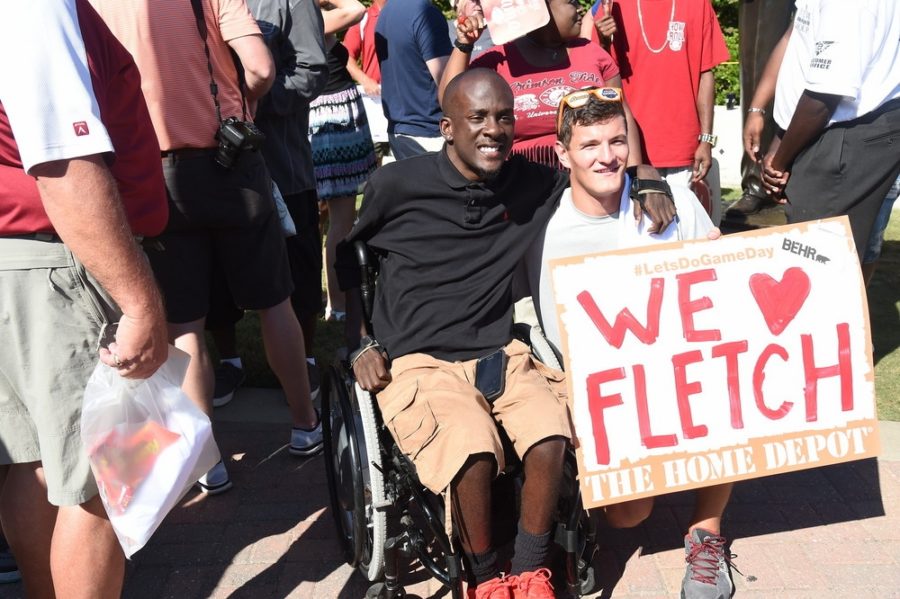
{"type": "Point", "coordinates": [884, 312]}
{"type": "Point", "coordinates": [731, 194]}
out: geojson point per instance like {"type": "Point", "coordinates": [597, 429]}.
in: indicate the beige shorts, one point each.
{"type": "Point", "coordinates": [438, 418]}
{"type": "Point", "coordinates": [51, 318]}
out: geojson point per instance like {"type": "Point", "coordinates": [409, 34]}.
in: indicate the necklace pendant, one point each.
{"type": "Point", "coordinates": [675, 36]}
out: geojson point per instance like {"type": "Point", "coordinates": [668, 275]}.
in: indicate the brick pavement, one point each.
{"type": "Point", "coordinates": [832, 531]}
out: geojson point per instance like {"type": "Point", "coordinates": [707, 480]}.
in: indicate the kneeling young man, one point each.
{"type": "Point", "coordinates": [595, 215]}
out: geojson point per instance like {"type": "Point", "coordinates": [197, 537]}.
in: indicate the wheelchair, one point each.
{"type": "Point", "coordinates": [386, 519]}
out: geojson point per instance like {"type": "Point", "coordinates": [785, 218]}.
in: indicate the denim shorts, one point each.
{"type": "Point", "coordinates": [876, 238]}
{"type": "Point", "coordinates": [52, 316]}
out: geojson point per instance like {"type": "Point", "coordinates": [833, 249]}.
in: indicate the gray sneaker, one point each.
{"type": "Point", "coordinates": [305, 443]}
{"type": "Point", "coordinates": [708, 573]}
{"type": "Point", "coordinates": [215, 481]}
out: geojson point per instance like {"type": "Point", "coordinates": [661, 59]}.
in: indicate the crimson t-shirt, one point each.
{"type": "Point", "coordinates": [77, 93]}
{"type": "Point", "coordinates": [661, 60]}
{"type": "Point", "coordinates": [537, 92]}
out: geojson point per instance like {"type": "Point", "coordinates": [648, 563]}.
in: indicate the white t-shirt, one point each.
{"type": "Point", "coordinates": [571, 232]}
{"type": "Point", "coordinates": [849, 49]}
{"type": "Point", "coordinates": [45, 84]}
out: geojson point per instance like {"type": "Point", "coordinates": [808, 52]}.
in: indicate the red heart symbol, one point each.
{"type": "Point", "coordinates": [779, 301]}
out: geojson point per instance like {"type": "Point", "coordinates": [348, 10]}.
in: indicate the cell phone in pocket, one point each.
{"type": "Point", "coordinates": [490, 375]}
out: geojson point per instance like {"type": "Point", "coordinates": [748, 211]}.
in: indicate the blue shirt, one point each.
{"type": "Point", "coordinates": [409, 33]}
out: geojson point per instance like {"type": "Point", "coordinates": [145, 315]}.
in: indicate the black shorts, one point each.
{"type": "Point", "coordinates": [305, 257]}
{"type": "Point", "coordinates": [219, 217]}
{"type": "Point", "coordinates": [305, 254]}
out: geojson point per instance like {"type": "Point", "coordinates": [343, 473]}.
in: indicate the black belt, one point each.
{"type": "Point", "coordinates": [34, 236]}
{"type": "Point", "coordinates": [182, 153]}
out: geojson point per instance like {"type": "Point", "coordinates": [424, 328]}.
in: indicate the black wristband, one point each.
{"type": "Point", "coordinates": [465, 48]}
{"type": "Point", "coordinates": [644, 186]}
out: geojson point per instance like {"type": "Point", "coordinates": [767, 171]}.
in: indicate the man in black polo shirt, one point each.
{"type": "Point", "coordinates": [451, 228]}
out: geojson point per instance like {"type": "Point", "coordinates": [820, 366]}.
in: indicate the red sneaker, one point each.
{"type": "Point", "coordinates": [534, 585]}
{"type": "Point", "coordinates": [495, 588]}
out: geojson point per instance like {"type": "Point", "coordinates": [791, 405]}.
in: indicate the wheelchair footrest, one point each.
{"type": "Point", "coordinates": [567, 539]}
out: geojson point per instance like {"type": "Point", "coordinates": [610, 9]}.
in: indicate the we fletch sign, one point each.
{"type": "Point", "coordinates": [697, 363]}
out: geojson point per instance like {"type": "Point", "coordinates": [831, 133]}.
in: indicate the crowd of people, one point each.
{"type": "Point", "coordinates": [167, 166]}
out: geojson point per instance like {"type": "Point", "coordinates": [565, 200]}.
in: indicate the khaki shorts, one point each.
{"type": "Point", "coordinates": [52, 315]}
{"type": "Point", "coordinates": [438, 418]}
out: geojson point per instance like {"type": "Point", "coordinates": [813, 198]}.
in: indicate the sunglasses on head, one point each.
{"type": "Point", "coordinates": [581, 97]}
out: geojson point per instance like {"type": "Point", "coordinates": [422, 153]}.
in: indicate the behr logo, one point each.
{"type": "Point", "coordinates": [807, 251]}
{"type": "Point", "coordinates": [81, 128]}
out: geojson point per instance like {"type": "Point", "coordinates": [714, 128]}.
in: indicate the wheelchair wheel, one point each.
{"type": "Point", "coordinates": [355, 486]}
{"type": "Point", "coordinates": [376, 495]}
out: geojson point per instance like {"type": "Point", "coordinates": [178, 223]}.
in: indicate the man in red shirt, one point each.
{"type": "Point", "coordinates": [69, 266]}
{"type": "Point", "coordinates": [666, 52]}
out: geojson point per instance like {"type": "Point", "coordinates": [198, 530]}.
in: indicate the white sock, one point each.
{"type": "Point", "coordinates": [233, 361]}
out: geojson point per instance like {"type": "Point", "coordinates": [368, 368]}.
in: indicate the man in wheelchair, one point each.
{"type": "Point", "coordinates": [450, 229]}
{"type": "Point", "coordinates": [594, 216]}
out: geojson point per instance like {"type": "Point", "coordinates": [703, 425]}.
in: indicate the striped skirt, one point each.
{"type": "Point", "coordinates": [343, 152]}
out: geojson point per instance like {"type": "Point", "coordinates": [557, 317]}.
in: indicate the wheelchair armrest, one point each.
{"type": "Point", "coordinates": [368, 265]}
{"type": "Point", "coordinates": [541, 348]}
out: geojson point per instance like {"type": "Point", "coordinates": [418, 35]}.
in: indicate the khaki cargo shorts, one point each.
{"type": "Point", "coordinates": [438, 418]}
{"type": "Point", "coordinates": [52, 315]}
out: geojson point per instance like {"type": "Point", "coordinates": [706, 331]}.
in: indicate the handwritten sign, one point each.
{"type": "Point", "coordinates": [697, 363]}
{"type": "Point", "coordinates": [511, 19]}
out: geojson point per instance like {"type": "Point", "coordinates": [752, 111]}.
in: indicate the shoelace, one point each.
{"type": "Point", "coordinates": [542, 575]}
{"type": "Point", "coordinates": [704, 557]}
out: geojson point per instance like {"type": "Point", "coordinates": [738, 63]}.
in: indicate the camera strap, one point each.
{"type": "Point", "coordinates": [197, 7]}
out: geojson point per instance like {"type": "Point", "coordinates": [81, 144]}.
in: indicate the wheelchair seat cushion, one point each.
{"type": "Point", "coordinates": [438, 418]}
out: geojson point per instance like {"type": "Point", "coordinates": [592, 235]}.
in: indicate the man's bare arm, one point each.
{"type": "Point", "coordinates": [341, 14]}
{"type": "Point", "coordinates": [259, 69]}
{"type": "Point", "coordinates": [370, 86]}
{"type": "Point", "coordinates": [81, 200]}
{"type": "Point", "coordinates": [754, 122]}
{"type": "Point", "coordinates": [469, 27]}
{"type": "Point", "coordinates": [706, 99]}
{"type": "Point", "coordinates": [436, 68]}
{"type": "Point", "coordinates": [810, 118]}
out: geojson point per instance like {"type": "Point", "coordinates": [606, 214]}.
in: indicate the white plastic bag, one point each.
{"type": "Point", "coordinates": [147, 443]}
